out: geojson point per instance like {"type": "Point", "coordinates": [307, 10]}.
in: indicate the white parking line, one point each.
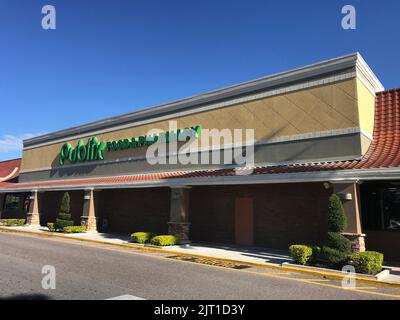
{"type": "Point", "coordinates": [125, 297]}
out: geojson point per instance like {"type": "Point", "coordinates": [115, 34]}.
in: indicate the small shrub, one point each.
{"type": "Point", "coordinates": [339, 242]}
{"type": "Point", "coordinates": [368, 262]}
{"type": "Point", "coordinates": [64, 216]}
{"type": "Point", "coordinates": [12, 222]}
{"type": "Point", "coordinates": [165, 240]}
{"type": "Point", "coordinates": [61, 224]}
{"type": "Point", "coordinates": [52, 226]}
{"type": "Point", "coordinates": [74, 229]}
{"type": "Point", "coordinates": [65, 203]}
{"type": "Point", "coordinates": [335, 257]}
{"type": "Point", "coordinates": [316, 252]}
{"type": "Point", "coordinates": [337, 220]}
{"type": "Point", "coordinates": [300, 253]}
{"type": "Point", "coordinates": [338, 248]}
{"type": "Point", "coordinates": [20, 222]}
{"type": "Point", "coordinates": [142, 237]}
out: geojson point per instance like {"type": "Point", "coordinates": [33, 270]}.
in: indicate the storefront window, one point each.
{"type": "Point", "coordinates": [391, 209]}
{"type": "Point", "coordinates": [380, 206]}
{"type": "Point", "coordinates": [11, 204]}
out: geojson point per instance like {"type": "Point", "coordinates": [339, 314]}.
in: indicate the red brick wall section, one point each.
{"type": "Point", "coordinates": [211, 214]}
{"type": "Point", "coordinates": [132, 210]}
{"type": "Point", "coordinates": [291, 213]}
{"type": "Point", "coordinates": [284, 214]}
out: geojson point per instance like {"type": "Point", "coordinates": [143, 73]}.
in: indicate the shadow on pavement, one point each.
{"type": "Point", "coordinates": [33, 296]}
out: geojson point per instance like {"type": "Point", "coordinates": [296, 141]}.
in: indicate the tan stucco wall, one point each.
{"type": "Point", "coordinates": [323, 108]}
{"type": "Point", "coordinates": [351, 207]}
{"type": "Point", "coordinates": [366, 104]}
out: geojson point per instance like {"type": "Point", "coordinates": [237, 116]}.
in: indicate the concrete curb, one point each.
{"type": "Point", "coordinates": [320, 272]}
{"type": "Point", "coordinates": [380, 276]}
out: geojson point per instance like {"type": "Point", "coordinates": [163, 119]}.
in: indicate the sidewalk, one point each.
{"type": "Point", "coordinates": [240, 253]}
{"type": "Point", "coordinates": [252, 255]}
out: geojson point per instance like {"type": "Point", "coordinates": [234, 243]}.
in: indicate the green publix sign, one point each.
{"type": "Point", "coordinates": [94, 150]}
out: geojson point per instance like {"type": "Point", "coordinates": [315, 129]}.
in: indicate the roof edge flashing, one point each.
{"type": "Point", "coordinates": [369, 77]}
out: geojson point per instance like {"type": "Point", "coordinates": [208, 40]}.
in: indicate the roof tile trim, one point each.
{"type": "Point", "coordinates": [9, 169]}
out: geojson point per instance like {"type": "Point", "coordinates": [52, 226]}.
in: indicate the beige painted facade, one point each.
{"type": "Point", "coordinates": [366, 107]}
{"type": "Point", "coordinates": [341, 105]}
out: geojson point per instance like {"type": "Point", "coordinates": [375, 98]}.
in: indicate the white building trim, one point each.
{"type": "Point", "coordinates": [333, 176]}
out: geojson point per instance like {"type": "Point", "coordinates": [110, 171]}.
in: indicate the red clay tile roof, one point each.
{"type": "Point", "coordinates": [384, 152]}
{"type": "Point", "coordinates": [9, 169]}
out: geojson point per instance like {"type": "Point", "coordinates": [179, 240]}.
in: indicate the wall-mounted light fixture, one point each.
{"type": "Point", "coordinates": [345, 196]}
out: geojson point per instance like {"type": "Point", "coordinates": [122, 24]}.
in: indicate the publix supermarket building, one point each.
{"type": "Point", "coordinates": [323, 128]}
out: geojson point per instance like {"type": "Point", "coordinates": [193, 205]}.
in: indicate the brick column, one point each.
{"type": "Point", "coordinates": [179, 214]}
{"type": "Point", "coordinates": [33, 216]}
{"type": "Point", "coordinates": [349, 193]}
{"type": "Point", "coordinates": [2, 199]}
{"type": "Point", "coordinates": [88, 219]}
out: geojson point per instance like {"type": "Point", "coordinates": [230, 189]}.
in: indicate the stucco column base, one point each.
{"type": "Point", "coordinates": [357, 241]}
{"type": "Point", "coordinates": [33, 216]}
{"type": "Point", "coordinates": [88, 218]}
{"type": "Point", "coordinates": [179, 214]}
{"type": "Point", "coordinates": [90, 223]}
{"type": "Point", "coordinates": [33, 219]}
{"type": "Point", "coordinates": [181, 230]}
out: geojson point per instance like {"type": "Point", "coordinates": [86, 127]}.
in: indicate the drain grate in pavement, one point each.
{"type": "Point", "coordinates": [211, 262]}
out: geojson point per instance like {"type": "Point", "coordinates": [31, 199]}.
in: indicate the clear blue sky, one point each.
{"type": "Point", "coordinates": [110, 57]}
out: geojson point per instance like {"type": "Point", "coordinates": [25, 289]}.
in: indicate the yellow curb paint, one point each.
{"type": "Point", "coordinates": [334, 276]}
{"type": "Point", "coordinates": [280, 273]}
{"type": "Point", "coordinates": [327, 275]}
{"type": "Point", "coordinates": [317, 280]}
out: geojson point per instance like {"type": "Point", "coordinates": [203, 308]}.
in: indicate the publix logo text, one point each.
{"type": "Point", "coordinates": [94, 150]}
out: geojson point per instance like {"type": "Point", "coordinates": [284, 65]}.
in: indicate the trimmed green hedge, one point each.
{"type": "Point", "coordinates": [316, 253]}
{"type": "Point", "coordinates": [74, 229]}
{"type": "Point", "coordinates": [339, 242]}
{"type": "Point", "coordinates": [61, 224]}
{"type": "Point", "coordinates": [335, 257]}
{"type": "Point", "coordinates": [64, 216]}
{"type": "Point", "coordinates": [165, 240]}
{"type": "Point", "coordinates": [368, 262]}
{"type": "Point", "coordinates": [337, 220]}
{"type": "Point", "coordinates": [300, 253]}
{"type": "Point", "coordinates": [65, 203]}
{"type": "Point", "coordinates": [142, 237]}
{"type": "Point", "coordinates": [12, 222]}
{"type": "Point", "coordinates": [52, 226]}
{"type": "Point", "coordinates": [338, 248]}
